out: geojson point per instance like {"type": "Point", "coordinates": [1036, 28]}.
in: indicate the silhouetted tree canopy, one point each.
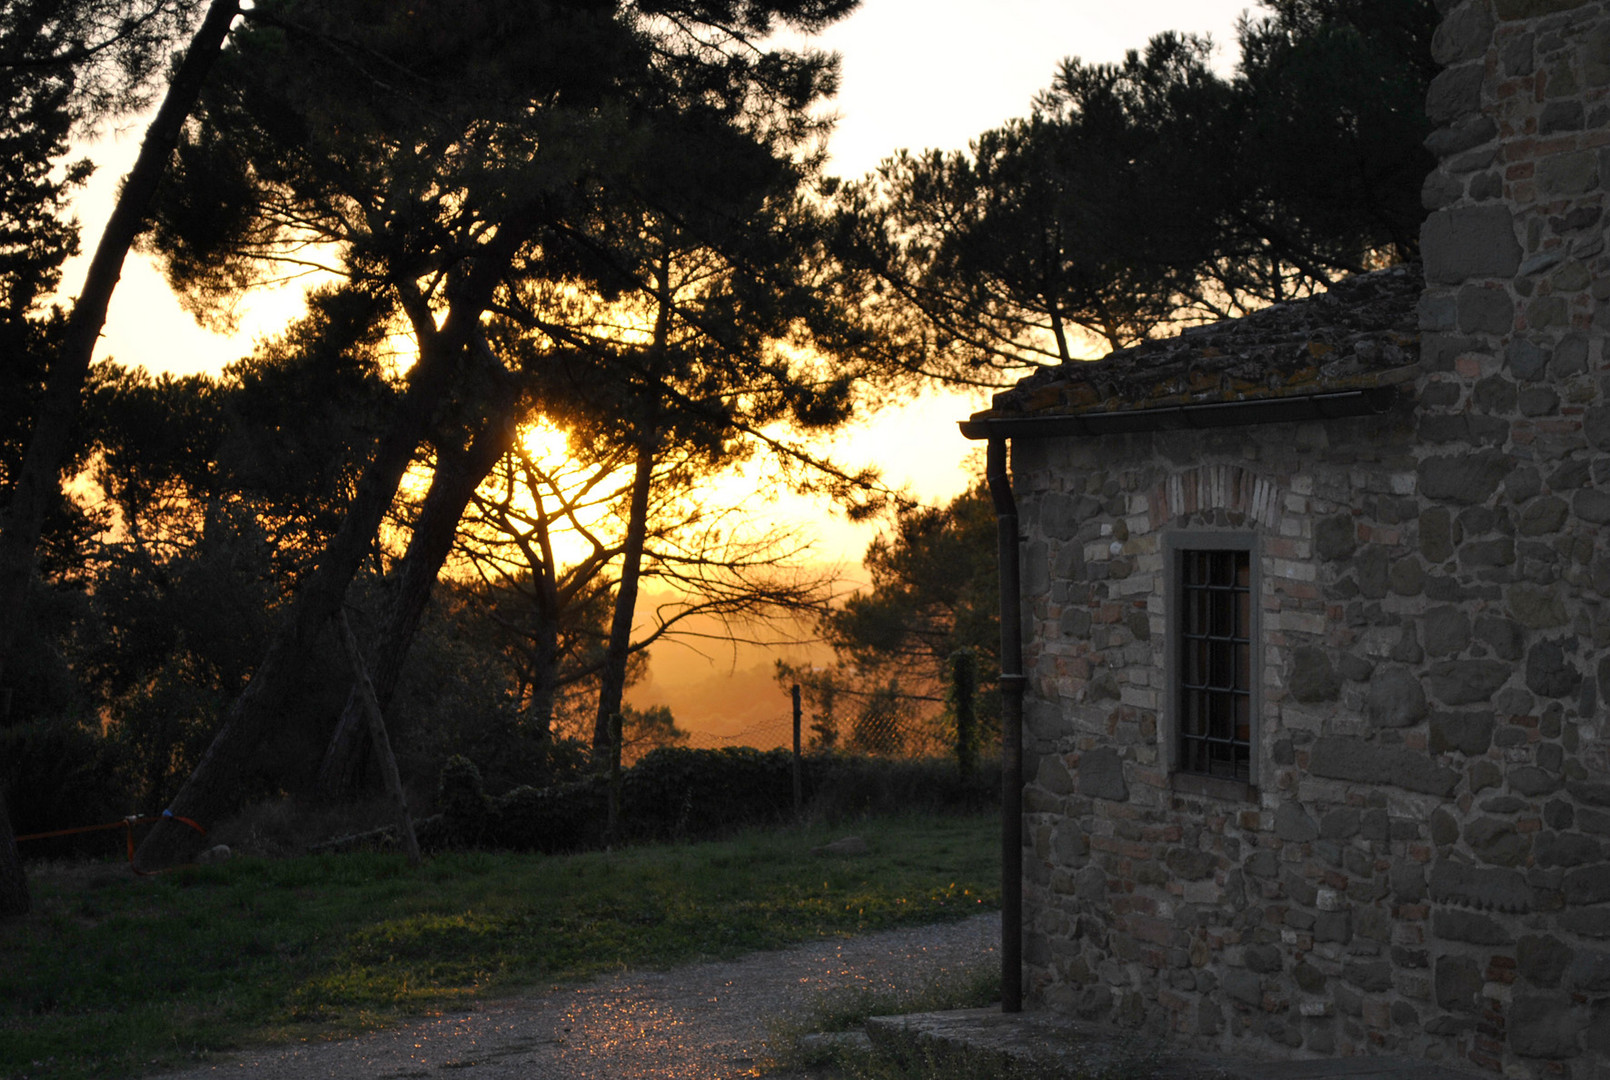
{"type": "Point", "coordinates": [1151, 192]}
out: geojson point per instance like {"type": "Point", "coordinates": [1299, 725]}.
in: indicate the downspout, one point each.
{"type": "Point", "coordinates": [1012, 681]}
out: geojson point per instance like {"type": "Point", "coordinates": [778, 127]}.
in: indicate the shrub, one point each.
{"type": "Point", "coordinates": [677, 792]}
{"type": "Point", "coordinates": [842, 786]}
{"type": "Point", "coordinates": [60, 774]}
{"type": "Point", "coordinates": [565, 817]}
{"type": "Point", "coordinates": [680, 793]}
{"type": "Point", "coordinates": [462, 803]}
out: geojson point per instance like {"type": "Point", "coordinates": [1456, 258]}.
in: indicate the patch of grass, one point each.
{"type": "Point", "coordinates": [848, 1009]}
{"type": "Point", "coordinates": [905, 1057]}
{"type": "Point", "coordinates": [114, 975]}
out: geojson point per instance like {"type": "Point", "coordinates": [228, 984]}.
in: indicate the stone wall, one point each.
{"type": "Point", "coordinates": [1422, 867]}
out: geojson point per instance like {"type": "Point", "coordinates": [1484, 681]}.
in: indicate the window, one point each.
{"type": "Point", "coordinates": [1213, 661]}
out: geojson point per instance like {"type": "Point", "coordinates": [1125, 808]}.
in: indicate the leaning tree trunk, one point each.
{"type": "Point", "coordinates": [39, 479]}
{"type": "Point", "coordinates": [251, 720]}
{"type": "Point", "coordinates": [13, 882]}
{"type": "Point", "coordinates": [455, 480]}
{"type": "Point", "coordinates": [612, 684]}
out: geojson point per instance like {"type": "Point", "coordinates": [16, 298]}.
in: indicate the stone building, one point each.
{"type": "Point", "coordinates": [1317, 618]}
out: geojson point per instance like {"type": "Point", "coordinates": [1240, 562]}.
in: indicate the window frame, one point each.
{"type": "Point", "coordinates": [1176, 545]}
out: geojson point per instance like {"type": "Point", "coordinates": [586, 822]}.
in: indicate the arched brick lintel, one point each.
{"type": "Point", "coordinates": [1231, 488]}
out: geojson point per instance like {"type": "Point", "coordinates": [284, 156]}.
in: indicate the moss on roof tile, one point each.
{"type": "Point", "coordinates": [1363, 332]}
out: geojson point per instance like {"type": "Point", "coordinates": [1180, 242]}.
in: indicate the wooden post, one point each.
{"type": "Point", "coordinates": [377, 732]}
{"type": "Point", "coordinates": [799, 795]}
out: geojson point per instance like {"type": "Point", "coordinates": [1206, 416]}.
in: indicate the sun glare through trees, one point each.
{"type": "Point", "coordinates": [592, 340]}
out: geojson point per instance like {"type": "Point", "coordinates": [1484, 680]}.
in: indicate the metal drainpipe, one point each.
{"type": "Point", "coordinates": [1012, 680]}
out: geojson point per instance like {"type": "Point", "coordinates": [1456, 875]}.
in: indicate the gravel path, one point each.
{"type": "Point", "coordinates": [700, 1022]}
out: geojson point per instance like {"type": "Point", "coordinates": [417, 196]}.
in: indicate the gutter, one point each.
{"type": "Point", "coordinates": [1335, 405]}
{"type": "Point", "coordinates": [1012, 680]}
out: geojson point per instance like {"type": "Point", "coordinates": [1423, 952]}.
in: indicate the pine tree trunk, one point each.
{"type": "Point", "coordinates": [39, 479]}
{"type": "Point", "coordinates": [544, 673]}
{"type": "Point", "coordinates": [455, 480]}
{"type": "Point", "coordinates": [612, 684]}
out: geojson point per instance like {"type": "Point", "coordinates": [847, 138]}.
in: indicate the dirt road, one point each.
{"type": "Point", "coordinates": [699, 1022]}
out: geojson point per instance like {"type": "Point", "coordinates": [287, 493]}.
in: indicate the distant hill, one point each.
{"type": "Point", "coordinates": [721, 691]}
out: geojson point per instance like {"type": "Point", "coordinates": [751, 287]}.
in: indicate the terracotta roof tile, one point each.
{"type": "Point", "coordinates": [1362, 333]}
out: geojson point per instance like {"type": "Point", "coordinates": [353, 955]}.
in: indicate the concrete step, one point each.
{"type": "Point", "coordinates": [1067, 1047]}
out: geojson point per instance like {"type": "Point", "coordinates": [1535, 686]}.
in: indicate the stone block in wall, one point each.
{"type": "Point", "coordinates": [1436, 534]}
{"type": "Point", "coordinates": [1561, 116]}
{"type": "Point", "coordinates": [1510, 10]}
{"type": "Point", "coordinates": [1469, 242]}
{"type": "Point", "coordinates": [1549, 673]}
{"type": "Point", "coordinates": [1541, 959]}
{"type": "Point", "coordinates": [1545, 1026]}
{"type": "Point", "coordinates": [1335, 537]}
{"type": "Point", "coordinates": [1441, 189]}
{"type": "Point", "coordinates": [1471, 733]}
{"type": "Point", "coordinates": [1561, 176]}
{"type": "Point", "coordinates": [1312, 678]}
{"type": "Point", "coordinates": [1516, 55]}
{"type": "Point", "coordinates": [1539, 401]}
{"type": "Point", "coordinates": [1463, 35]}
{"type": "Point", "coordinates": [1395, 699]}
{"type": "Point", "coordinates": [1588, 885]}
{"type": "Point", "coordinates": [1479, 887]}
{"type": "Point", "coordinates": [1591, 506]}
{"type": "Point", "coordinates": [1525, 360]}
{"type": "Point", "coordinates": [1350, 759]}
{"type": "Point", "coordinates": [1531, 781]}
{"type": "Point", "coordinates": [1465, 479]}
{"type": "Point", "coordinates": [1589, 973]}
{"type": "Point", "coordinates": [1465, 682]}
{"type": "Point", "coordinates": [1593, 922]}
{"type": "Point", "coordinates": [1101, 775]}
{"type": "Point", "coordinates": [1495, 841]}
{"type": "Point", "coordinates": [1455, 92]}
{"type": "Point", "coordinates": [1445, 630]}
{"type": "Point", "coordinates": [1485, 309]}
{"type": "Point", "coordinates": [1242, 986]}
{"type": "Point", "coordinates": [1543, 516]}
{"type": "Point", "coordinates": [1457, 982]}
{"type": "Point", "coordinates": [1471, 927]}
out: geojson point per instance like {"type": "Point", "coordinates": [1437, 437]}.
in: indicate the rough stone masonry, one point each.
{"type": "Point", "coordinates": [1418, 859]}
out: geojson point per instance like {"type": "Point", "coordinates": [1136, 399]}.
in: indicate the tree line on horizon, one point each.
{"type": "Point", "coordinates": [610, 219]}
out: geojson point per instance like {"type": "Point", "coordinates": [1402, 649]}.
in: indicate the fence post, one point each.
{"type": "Point", "coordinates": [615, 739]}
{"type": "Point", "coordinates": [799, 795]}
{"type": "Point", "coordinates": [963, 684]}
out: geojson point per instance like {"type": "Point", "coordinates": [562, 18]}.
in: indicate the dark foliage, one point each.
{"type": "Point", "coordinates": [1153, 191]}
{"type": "Point", "coordinates": [60, 774]}
{"type": "Point", "coordinates": [676, 793]}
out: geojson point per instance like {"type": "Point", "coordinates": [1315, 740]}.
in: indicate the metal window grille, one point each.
{"type": "Point", "coordinates": [1215, 691]}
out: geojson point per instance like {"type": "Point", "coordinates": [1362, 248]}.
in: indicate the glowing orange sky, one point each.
{"type": "Point", "coordinates": [917, 73]}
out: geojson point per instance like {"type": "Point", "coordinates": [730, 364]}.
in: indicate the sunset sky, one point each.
{"type": "Point", "coordinates": [917, 74]}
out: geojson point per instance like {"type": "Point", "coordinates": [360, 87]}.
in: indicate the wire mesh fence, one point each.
{"type": "Point", "coordinates": [881, 736]}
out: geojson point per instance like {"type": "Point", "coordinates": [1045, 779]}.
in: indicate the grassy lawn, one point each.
{"type": "Point", "coordinates": [115, 975]}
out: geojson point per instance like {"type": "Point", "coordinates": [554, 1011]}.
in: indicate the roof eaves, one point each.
{"type": "Point", "coordinates": [1329, 405]}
